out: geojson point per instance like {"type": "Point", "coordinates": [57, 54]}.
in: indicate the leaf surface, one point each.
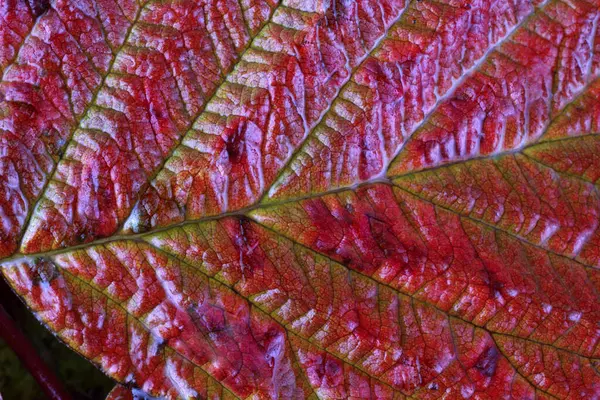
{"type": "Point", "coordinates": [348, 199]}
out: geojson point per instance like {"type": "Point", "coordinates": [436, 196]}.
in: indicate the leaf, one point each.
{"type": "Point", "coordinates": [347, 199]}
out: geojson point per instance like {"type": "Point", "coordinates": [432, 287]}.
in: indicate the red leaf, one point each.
{"type": "Point", "coordinates": [347, 199]}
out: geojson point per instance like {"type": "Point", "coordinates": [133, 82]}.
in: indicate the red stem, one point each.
{"type": "Point", "coordinates": [13, 336]}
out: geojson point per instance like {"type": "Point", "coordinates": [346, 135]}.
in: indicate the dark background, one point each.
{"type": "Point", "coordinates": [82, 379]}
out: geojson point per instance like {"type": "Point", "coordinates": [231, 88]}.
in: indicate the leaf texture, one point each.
{"type": "Point", "coordinates": [265, 109]}
{"type": "Point", "coordinates": [308, 199]}
{"type": "Point", "coordinates": [174, 55]}
{"type": "Point", "coordinates": [46, 89]}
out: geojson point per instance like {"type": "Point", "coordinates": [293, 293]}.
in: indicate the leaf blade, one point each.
{"type": "Point", "coordinates": [169, 66]}
{"type": "Point", "coordinates": [358, 141]}
{"type": "Point", "coordinates": [44, 92]}
{"type": "Point", "coordinates": [236, 149]}
{"type": "Point", "coordinates": [474, 278]}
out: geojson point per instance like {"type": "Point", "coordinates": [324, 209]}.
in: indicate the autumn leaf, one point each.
{"type": "Point", "coordinates": [308, 199]}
